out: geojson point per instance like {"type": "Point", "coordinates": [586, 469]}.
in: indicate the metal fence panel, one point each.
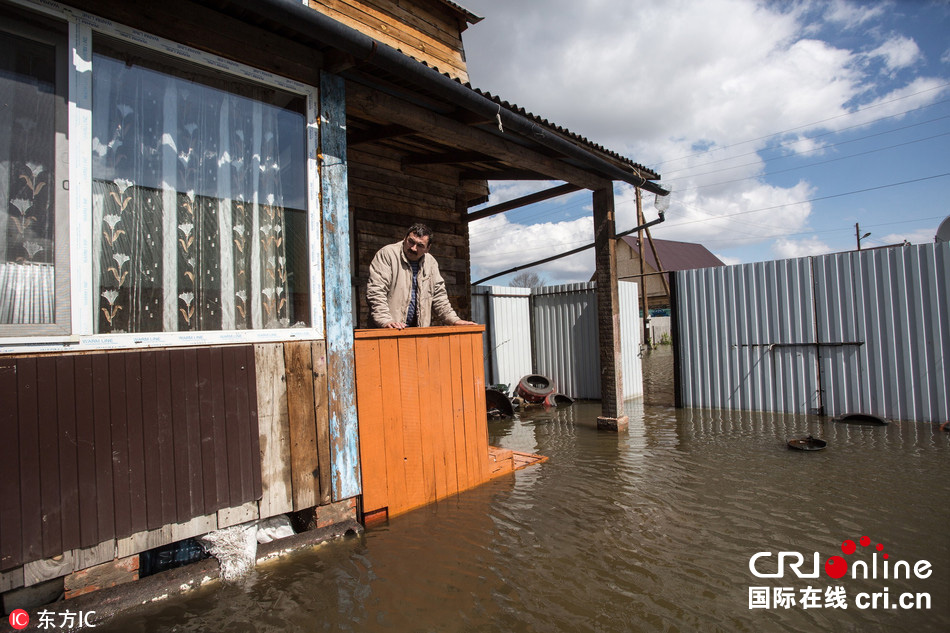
{"type": "Point", "coordinates": [562, 336]}
{"type": "Point", "coordinates": [505, 312]}
{"type": "Point", "coordinates": [866, 331]}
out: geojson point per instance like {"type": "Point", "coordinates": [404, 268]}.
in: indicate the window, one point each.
{"type": "Point", "coordinates": [34, 274]}
{"type": "Point", "coordinates": [187, 184]}
{"type": "Point", "coordinates": [199, 198]}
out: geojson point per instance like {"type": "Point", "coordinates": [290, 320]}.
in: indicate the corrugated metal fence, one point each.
{"type": "Point", "coordinates": [865, 331]}
{"type": "Point", "coordinates": [552, 331]}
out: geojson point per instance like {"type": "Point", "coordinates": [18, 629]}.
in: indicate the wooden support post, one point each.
{"type": "Point", "coordinates": [608, 311]}
{"type": "Point", "coordinates": [644, 296]}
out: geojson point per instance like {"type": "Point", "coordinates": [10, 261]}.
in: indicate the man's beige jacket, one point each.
{"type": "Point", "coordinates": [387, 292]}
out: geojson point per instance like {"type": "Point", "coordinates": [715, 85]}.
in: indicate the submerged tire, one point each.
{"type": "Point", "coordinates": [534, 388]}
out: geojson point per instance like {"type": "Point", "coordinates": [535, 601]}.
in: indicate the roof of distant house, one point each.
{"type": "Point", "coordinates": [676, 255]}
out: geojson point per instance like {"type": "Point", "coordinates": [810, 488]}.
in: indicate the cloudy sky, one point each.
{"type": "Point", "coordinates": [779, 125]}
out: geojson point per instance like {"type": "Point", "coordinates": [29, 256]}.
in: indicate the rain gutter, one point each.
{"type": "Point", "coordinates": [311, 24]}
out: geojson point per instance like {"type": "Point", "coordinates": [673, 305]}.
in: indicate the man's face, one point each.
{"type": "Point", "coordinates": [415, 247]}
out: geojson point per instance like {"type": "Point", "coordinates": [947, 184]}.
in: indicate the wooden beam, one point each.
{"type": "Point", "coordinates": [447, 158]}
{"type": "Point", "coordinates": [539, 196]}
{"type": "Point", "coordinates": [502, 174]}
{"type": "Point", "coordinates": [378, 133]}
{"type": "Point", "coordinates": [384, 107]}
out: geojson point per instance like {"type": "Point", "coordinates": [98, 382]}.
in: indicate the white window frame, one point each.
{"type": "Point", "coordinates": [83, 295]}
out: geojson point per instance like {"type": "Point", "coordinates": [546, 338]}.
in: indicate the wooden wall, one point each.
{"type": "Point", "coordinates": [100, 446]}
{"type": "Point", "coordinates": [386, 199]}
{"type": "Point", "coordinates": [423, 421]}
{"type": "Point", "coordinates": [427, 30]}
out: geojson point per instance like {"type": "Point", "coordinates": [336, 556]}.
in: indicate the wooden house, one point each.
{"type": "Point", "coordinates": [193, 191]}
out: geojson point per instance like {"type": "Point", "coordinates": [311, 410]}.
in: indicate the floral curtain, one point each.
{"type": "Point", "coordinates": [27, 152]}
{"type": "Point", "coordinates": [189, 179]}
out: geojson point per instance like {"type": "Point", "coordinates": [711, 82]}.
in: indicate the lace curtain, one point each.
{"type": "Point", "coordinates": [27, 151]}
{"type": "Point", "coordinates": [189, 180]}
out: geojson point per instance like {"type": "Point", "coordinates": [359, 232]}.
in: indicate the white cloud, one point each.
{"type": "Point", "coordinates": [789, 249]}
{"type": "Point", "coordinates": [898, 52]}
{"type": "Point", "coordinates": [917, 236]}
{"type": "Point", "coordinates": [852, 14]}
{"type": "Point", "coordinates": [682, 86]}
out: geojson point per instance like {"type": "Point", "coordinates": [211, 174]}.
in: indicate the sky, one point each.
{"type": "Point", "coordinates": [778, 125]}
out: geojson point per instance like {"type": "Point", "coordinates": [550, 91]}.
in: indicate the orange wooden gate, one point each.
{"type": "Point", "coordinates": [422, 416]}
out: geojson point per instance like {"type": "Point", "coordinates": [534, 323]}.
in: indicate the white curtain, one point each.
{"type": "Point", "coordinates": [188, 199]}
{"type": "Point", "coordinates": [27, 205]}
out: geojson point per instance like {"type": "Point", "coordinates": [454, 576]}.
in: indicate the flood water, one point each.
{"type": "Point", "coordinates": [646, 530]}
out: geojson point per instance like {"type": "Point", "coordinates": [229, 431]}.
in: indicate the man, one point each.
{"type": "Point", "coordinates": [405, 287]}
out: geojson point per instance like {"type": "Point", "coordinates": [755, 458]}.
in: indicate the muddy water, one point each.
{"type": "Point", "coordinates": [648, 530]}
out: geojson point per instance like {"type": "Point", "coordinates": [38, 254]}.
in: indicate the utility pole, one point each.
{"type": "Point", "coordinates": [857, 234]}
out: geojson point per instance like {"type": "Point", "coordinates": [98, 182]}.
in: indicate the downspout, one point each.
{"type": "Point", "coordinates": [302, 20]}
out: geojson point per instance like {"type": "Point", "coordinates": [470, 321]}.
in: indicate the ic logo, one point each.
{"type": "Point", "coordinates": [19, 619]}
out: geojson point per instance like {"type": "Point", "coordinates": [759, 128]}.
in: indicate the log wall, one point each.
{"type": "Point", "coordinates": [386, 199]}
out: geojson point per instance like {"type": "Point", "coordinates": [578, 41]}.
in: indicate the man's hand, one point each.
{"type": "Point", "coordinates": [395, 325]}
{"type": "Point", "coordinates": [464, 322]}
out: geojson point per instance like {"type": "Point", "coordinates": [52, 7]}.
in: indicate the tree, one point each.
{"type": "Point", "coordinates": [527, 280]}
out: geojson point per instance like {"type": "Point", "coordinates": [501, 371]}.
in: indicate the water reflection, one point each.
{"type": "Point", "coordinates": [648, 530]}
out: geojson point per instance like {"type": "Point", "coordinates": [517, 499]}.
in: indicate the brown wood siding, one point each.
{"type": "Point", "coordinates": [423, 421]}
{"type": "Point", "coordinates": [101, 446]}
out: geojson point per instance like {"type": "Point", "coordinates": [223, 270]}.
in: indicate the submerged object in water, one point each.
{"type": "Point", "coordinates": [861, 418]}
{"type": "Point", "coordinates": [807, 444]}
{"type": "Point", "coordinates": [498, 404]}
{"type": "Point", "coordinates": [534, 388]}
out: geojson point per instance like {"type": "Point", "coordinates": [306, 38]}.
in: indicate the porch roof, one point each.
{"type": "Point", "coordinates": [441, 120]}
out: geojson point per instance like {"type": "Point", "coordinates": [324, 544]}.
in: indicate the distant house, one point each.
{"type": "Point", "coordinates": [673, 256]}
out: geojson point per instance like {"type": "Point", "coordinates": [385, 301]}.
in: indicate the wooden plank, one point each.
{"type": "Point", "coordinates": [118, 432]}
{"type": "Point", "coordinates": [138, 442]}
{"type": "Point", "coordinates": [86, 458]}
{"type": "Point", "coordinates": [102, 427]}
{"type": "Point", "coordinates": [321, 407]}
{"type": "Point", "coordinates": [179, 434]}
{"type": "Point", "coordinates": [11, 534]}
{"type": "Point", "coordinates": [150, 430]}
{"type": "Point", "coordinates": [428, 387]}
{"type": "Point", "coordinates": [47, 423]}
{"type": "Point", "coordinates": [68, 451]}
{"type": "Point", "coordinates": [369, 389]}
{"type": "Point", "coordinates": [446, 417]}
{"type": "Point", "coordinates": [165, 440]}
{"type": "Point", "coordinates": [253, 429]}
{"type": "Point", "coordinates": [481, 407]}
{"type": "Point", "coordinates": [463, 473]}
{"type": "Point", "coordinates": [206, 429]}
{"type": "Point", "coordinates": [233, 405]}
{"type": "Point", "coordinates": [392, 424]}
{"type": "Point", "coordinates": [274, 428]}
{"type": "Point", "coordinates": [468, 408]}
{"type": "Point", "coordinates": [303, 433]}
{"type": "Point", "coordinates": [29, 475]}
{"type": "Point", "coordinates": [411, 423]}
{"type": "Point", "coordinates": [344, 429]}
{"type": "Point", "coordinates": [194, 482]}
{"type": "Point", "coordinates": [219, 418]}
